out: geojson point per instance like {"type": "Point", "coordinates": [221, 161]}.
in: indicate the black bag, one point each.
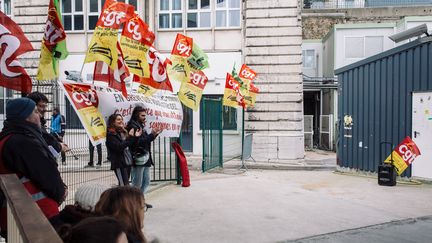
{"type": "Point", "coordinates": [387, 171]}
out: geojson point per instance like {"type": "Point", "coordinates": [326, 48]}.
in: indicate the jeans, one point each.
{"type": "Point", "coordinates": [141, 177]}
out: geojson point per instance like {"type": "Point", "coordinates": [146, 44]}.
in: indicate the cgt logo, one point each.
{"type": "Point", "coordinates": [112, 18]}
{"type": "Point", "coordinates": [84, 99]}
{"type": "Point", "coordinates": [407, 155]}
{"type": "Point", "coordinates": [11, 44]}
{"type": "Point", "coordinates": [133, 28]}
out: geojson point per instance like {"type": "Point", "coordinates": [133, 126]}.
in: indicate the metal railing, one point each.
{"type": "Point", "coordinates": [337, 4]}
{"type": "Point", "coordinates": [25, 220]}
{"type": "Point", "coordinates": [74, 172]}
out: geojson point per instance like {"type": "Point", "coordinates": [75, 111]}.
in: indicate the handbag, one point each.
{"type": "Point", "coordinates": [142, 158]}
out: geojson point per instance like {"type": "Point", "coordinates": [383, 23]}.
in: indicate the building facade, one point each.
{"type": "Point", "coordinates": [266, 35]}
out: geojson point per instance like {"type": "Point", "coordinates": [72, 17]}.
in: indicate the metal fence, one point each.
{"type": "Point", "coordinates": [75, 171]}
{"type": "Point", "coordinates": [212, 133]}
{"type": "Point", "coordinates": [336, 4]}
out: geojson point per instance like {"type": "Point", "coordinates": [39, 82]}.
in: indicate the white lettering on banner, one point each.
{"type": "Point", "coordinates": [52, 33]}
{"type": "Point", "coordinates": [133, 29]}
{"type": "Point", "coordinates": [198, 79]}
{"type": "Point", "coordinates": [183, 49]}
{"type": "Point", "coordinates": [407, 155]}
{"type": "Point", "coordinates": [158, 71]}
{"type": "Point", "coordinates": [249, 75]}
{"type": "Point", "coordinates": [232, 84]}
{"type": "Point", "coordinates": [12, 44]}
{"type": "Point", "coordinates": [112, 18]}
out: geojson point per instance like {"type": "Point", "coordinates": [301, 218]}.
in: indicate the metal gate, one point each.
{"type": "Point", "coordinates": [308, 132]}
{"type": "Point", "coordinates": [326, 132]}
{"type": "Point", "coordinates": [211, 122]}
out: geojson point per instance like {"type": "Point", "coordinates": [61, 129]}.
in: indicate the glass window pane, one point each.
{"type": "Point", "coordinates": [205, 4]}
{"type": "Point", "coordinates": [78, 6]}
{"type": "Point", "coordinates": [134, 3]}
{"type": "Point", "coordinates": [192, 21]}
{"type": "Point", "coordinates": [205, 19]}
{"type": "Point", "coordinates": [164, 21]}
{"type": "Point", "coordinates": [220, 3]}
{"type": "Point", "coordinates": [234, 18]}
{"type": "Point", "coordinates": [234, 4]}
{"type": "Point", "coordinates": [67, 22]}
{"type": "Point", "coordinates": [78, 22]}
{"type": "Point", "coordinates": [66, 6]}
{"type": "Point", "coordinates": [193, 4]}
{"type": "Point", "coordinates": [164, 5]}
{"type": "Point", "coordinates": [220, 18]}
{"type": "Point", "coordinates": [308, 58]}
{"type": "Point", "coordinates": [354, 47]}
{"type": "Point", "coordinates": [177, 21]}
{"type": "Point", "coordinates": [94, 7]}
{"type": "Point", "coordinates": [92, 22]}
{"type": "Point", "coordinates": [373, 45]}
{"type": "Point", "coordinates": [176, 4]}
{"type": "Point", "coordinates": [7, 7]}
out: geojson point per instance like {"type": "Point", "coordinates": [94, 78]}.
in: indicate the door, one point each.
{"type": "Point", "coordinates": [421, 134]}
{"type": "Point", "coordinates": [187, 129]}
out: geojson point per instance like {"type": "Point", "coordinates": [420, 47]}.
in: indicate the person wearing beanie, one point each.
{"type": "Point", "coordinates": [86, 197]}
{"type": "Point", "coordinates": [23, 151]}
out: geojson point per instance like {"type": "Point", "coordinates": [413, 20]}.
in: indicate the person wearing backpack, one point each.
{"type": "Point", "coordinates": [58, 126]}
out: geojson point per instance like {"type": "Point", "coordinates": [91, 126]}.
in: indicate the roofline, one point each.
{"type": "Point", "coordinates": [381, 55]}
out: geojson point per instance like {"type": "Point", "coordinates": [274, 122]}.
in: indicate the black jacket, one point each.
{"type": "Point", "coordinates": [26, 153]}
{"type": "Point", "coordinates": [116, 146]}
{"type": "Point", "coordinates": [143, 143]}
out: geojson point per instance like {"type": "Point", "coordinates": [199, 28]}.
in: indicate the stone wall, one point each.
{"type": "Point", "coordinates": [317, 23]}
{"type": "Point", "coordinates": [272, 47]}
{"type": "Point", "coordinates": [31, 16]}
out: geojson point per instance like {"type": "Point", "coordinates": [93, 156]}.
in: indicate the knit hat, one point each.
{"type": "Point", "coordinates": [86, 196]}
{"type": "Point", "coordinates": [19, 108]}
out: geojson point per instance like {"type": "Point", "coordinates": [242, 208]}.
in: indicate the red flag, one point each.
{"type": "Point", "coordinates": [115, 79]}
{"type": "Point", "coordinates": [13, 43]}
{"type": "Point", "coordinates": [158, 73]}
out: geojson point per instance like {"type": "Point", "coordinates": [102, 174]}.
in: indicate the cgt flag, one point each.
{"type": "Point", "coordinates": [135, 42]}
{"type": "Point", "coordinates": [190, 93]}
{"type": "Point", "coordinates": [250, 99]}
{"type": "Point", "coordinates": [232, 96]}
{"type": "Point", "coordinates": [13, 43]}
{"type": "Point", "coordinates": [53, 45]}
{"type": "Point", "coordinates": [103, 46]}
{"type": "Point", "coordinates": [181, 51]}
{"type": "Point", "coordinates": [403, 155]}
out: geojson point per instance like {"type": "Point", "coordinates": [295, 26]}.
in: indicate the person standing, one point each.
{"type": "Point", "coordinates": [91, 153]}
{"type": "Point", "coordinates": [58, 126]}
{"type": "Point", "coordinates": [141, 150]}
{"type": "Point", "coordinates": [118, 141]}
{"type": "Point", "coordinates": [42, 103]}
{"type": "Point", "coordinates": [24, 152]}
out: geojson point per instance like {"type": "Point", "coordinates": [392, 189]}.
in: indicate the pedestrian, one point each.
{"type": "Point", "coordinates": [118, 141]}
{"type": "Point", "coordinates": [86, 197]}
{"type": "Point", "coordinates": [126, 204]}
{"type": "Point", "coordinates": [42, 103]}
{"type": "Point", "coordinates": [25, 153]}
{"type": "Point", "coordinates": [91, 153]}
{"type": "Point", "coordinates": [95, 230]}
{"type": "Point", "coordinates": [141, 152]}
{"type": "Point", "coordinates": [58, 127]}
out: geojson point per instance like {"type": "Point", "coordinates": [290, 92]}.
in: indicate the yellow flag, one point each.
{"type": "Point", "coordinates": [179, 69]}
{"type": "Point", "coordinates": [146, 90]}
{"type": "Point", "coordinates": [191, 92]}
{"type": "Point", "coordinates": [103, 47]}
{"type": "Point", "coordinates": [46, 70]}
{"type": "Point", "coordinates": [231, 93]}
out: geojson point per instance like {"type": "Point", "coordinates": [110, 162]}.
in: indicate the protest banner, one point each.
{"type": "Point", "coordinates": [179, 70]}
{"type": "Point", "coordinates": [94, 104]}
{"type": "Point", "coordinates": [403, 155]}
{"type": "Point", "coordinates": [232, 96]}
{"type": "Point", "coordinates": [190, 93]}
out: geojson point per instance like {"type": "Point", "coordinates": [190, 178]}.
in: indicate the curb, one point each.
{"type": "Point", "coordinates": [273, 166]}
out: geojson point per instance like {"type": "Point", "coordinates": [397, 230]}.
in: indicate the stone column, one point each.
{"type": "Point", "coordinates": [273, 37]}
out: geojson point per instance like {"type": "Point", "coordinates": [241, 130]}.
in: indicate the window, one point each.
{"type": "Point", "coordinates": [229, 115]}
{"type": "Point", "coordinates": [360, 47]}
{"type": "Point", "coordinates": [94, 8]}
{"type": "Point", "coordinates": [6, 7]}
{"type": "Point", "coordinates": [170, 14]}
{"type": "Point", "coordinates": [72, 14]}
{"type": "Point", "coordinates": [308, 57]}
{"type": "Point", "coordinates": [199, 14]}
{"type": "Point", "coordinates": [227, 13]}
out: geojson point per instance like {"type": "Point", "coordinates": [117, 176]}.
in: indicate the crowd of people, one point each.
{"type": "Point", "coordinates": [28, 150]}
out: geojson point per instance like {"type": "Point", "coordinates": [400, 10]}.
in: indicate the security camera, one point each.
{"type": "Point", "coordinates": [73, 75]}
{"type": "Point", "coordinates": [409, 33]}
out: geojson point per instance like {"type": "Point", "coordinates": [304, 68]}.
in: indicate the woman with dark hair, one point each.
{"type": "Point", "coordinates": [118, 141]}
{"type": "Point", "coordinates": [141, 151]}
{"type": "Point", "coordinates": [94, 230]}
{"type": "Point", "coordinates": [127, 205]}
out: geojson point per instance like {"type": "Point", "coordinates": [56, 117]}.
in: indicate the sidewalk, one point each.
{"type": "Point", "coordinates": [231, 205]}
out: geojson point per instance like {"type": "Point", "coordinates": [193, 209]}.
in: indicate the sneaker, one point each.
{"type": "Point", "coordinates": [149, 205]}
{"type": "Point", "coordinates": [99, 164]}
{"type": "Point", "coordinates": [89, 166]}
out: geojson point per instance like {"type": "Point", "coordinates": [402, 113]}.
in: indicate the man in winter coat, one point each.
{"type": "Point", "coordinates": [24, 152]}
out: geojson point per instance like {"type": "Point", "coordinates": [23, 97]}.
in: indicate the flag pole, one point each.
{"type": "Point", "coordinates": [243, 166]}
